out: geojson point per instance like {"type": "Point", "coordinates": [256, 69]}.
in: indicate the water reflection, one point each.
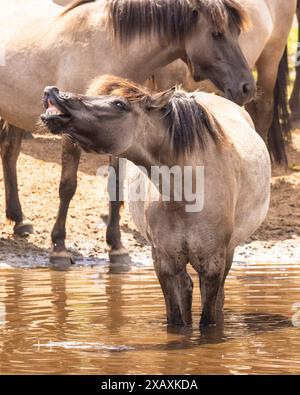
{"type": "Point", "coordinates": [91, 321]}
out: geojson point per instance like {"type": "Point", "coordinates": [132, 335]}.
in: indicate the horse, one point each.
{"type": "Point", "coordinates": [72, 47]}
{"type": "Point", "coordinates": [188, 131]}
{"type": "Point", "coordinates": [265, 48]}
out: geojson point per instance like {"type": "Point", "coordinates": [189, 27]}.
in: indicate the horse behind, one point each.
{"type": "Point", "coordinates": [50, 46]}
{"type": "Point", "coordinates": [186, 131]}
{"type": "Point", "coordinates": [264, 45]}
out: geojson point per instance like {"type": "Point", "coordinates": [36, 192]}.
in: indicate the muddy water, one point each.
{"type": "Point", "coordinates": [91, 322]}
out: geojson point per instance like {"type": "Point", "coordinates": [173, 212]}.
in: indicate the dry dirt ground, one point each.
{"type": "Point", "coordinates": [278, 239]}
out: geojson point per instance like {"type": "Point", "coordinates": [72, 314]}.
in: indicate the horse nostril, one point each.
{"type": "Point", "coordinates": [65, 95]}
{"type": "Point", "coordinates": [51, 89]}
{"type": "Point", "coordinates": [246, 89]}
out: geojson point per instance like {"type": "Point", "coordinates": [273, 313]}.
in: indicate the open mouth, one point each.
{"type": "Point", "coordinates": [53, 106]}
{"type": "Point", "coordinates": [56, 116]}
{"type": "Point", "coordinates": [52, 109]}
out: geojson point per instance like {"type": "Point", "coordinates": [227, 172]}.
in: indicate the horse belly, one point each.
{"type": "Point", "coordinates": [249, 164]}
{"type": "Point", "coordinates": [254, 193]}
{"type": "Point", "coordinates": [138, 189]}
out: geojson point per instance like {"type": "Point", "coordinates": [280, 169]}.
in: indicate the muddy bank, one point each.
{"type": "Point", "coordinates": [278, 239]}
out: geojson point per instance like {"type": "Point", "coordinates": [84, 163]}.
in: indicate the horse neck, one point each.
{"type": "Point", "coordinates": [152, 147]}
{"type": "Point", "coordinates": [136, 60]}
{"type": "Point", "coordinates": [146, 56]}
{"type": "Point", "coordinates": [169, 175]}
{"type": "Point", "coordinates": [178, 181]}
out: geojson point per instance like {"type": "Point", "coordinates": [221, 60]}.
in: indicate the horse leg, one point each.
{"type": "Point", "coordinates": [269, 111]}
{"type": "Point", "coordinates": [10, 141]}
{"type": "Point", "coordinates": [221, 293]}
{"type": "Point", "coordinates": [118, 253]}
{"type": "Point", "coordinates": [295, 96]}
{"type": "Point", "coordinates": [60, 257]}
{"type": "Point", "coordinates": [261, 109]}
{"type": "Point", "coordinates": [177, 288]}
{"type": "Point", "coordinates": [186, 288]}
{"type": "Point", "coordinates": [211, 277]}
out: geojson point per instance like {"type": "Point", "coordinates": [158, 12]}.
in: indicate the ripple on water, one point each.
{"type": "Point", "coordinates": [90, 321]}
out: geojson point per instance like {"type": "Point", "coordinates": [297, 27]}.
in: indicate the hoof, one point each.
{"type": "Point", "coordinates": [24, 229]}
{"type": "Point", "coordinates": [120, 261]}
{"type": "Point", "coordinates": [61, 261]}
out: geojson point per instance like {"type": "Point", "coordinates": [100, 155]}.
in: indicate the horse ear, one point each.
{"type": "Point", "coordinates": [160, 100]}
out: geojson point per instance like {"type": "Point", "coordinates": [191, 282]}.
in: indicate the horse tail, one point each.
{"type": "Point", "coordinates": [280, 130]}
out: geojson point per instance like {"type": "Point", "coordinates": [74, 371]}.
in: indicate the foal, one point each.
{"type": "Point", "coordinates": [191, 131]}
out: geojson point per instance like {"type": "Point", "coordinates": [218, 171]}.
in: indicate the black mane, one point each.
{"type": "Point", "coordinates": [188, 122]}
{"type": "Point", "coordinates": [172, 20]}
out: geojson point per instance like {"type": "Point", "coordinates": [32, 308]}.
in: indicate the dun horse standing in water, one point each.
{"type": "Point", "coordinates": [130, 38]}
{"type": "Point", "coordinates": [187, 130]}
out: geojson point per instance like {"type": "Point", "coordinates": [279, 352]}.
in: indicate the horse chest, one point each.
{"type": "Point", "coordinates": [179, 238]}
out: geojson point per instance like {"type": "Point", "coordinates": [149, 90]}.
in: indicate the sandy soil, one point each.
{"type": "Point", "coordinates": [278, 239]}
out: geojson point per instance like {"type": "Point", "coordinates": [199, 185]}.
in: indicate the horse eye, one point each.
{"type": "Point", "coordinates": [217, 35]}
{"type": "Point", "coordinates": [121, 106]}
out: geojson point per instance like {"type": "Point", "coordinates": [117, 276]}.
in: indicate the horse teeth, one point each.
{"type": "Point", "coordinates": [52, 112]}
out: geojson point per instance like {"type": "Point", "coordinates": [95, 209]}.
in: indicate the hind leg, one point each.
{"type": "Point", "coordinates": [211, 278]}
{"type": "Point", "coordinates": [221, 293]}
{"type": "Point", "coordinates": [177, 287]}
{"type": "Point", "coordinates": [10, 142]}
{"type": "Point", "coordinates": [269, 110]}
{"type": "Point", "coordinates": [60, 257]}
{"type": "Point", "coordinates": [186, 287]}
{"type": "Point", "coordinates": [261, 108]}
{"type": "Point", "coordinates": [295, 96]}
